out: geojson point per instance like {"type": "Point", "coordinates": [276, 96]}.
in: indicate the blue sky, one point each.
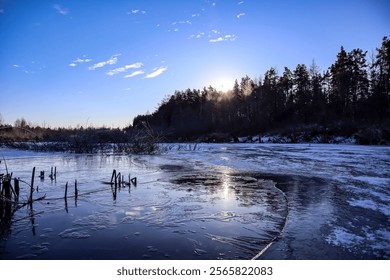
{"type": "Point", "coordinates": [69, 63]}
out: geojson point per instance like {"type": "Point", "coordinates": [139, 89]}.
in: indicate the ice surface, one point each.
{"type": "Point", "coordinates": [313, 201]}
{"type": "Point", "coordinates": [353, 192]}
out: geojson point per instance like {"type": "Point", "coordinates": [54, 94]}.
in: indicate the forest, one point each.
{"type": "Point", "coordinates": [351, 98]}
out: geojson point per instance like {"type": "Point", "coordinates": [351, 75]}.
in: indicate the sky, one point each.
{"type": "Point", "coordinates": [101, 63]}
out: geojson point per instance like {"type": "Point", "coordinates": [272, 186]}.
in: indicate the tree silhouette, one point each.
{"type": "Point", "coordinates": [348, 91]}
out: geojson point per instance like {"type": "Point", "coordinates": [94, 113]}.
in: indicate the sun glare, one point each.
{"type": "Point", "coordinates": [224, 85]}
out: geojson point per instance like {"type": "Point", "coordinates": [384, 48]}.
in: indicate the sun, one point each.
{"type": "Point", "coordinates": [224, 84]}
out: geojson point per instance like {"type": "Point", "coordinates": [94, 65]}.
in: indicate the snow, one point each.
{"type": "Point", "coordinates": [341, 236]}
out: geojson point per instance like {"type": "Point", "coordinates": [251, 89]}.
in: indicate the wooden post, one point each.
{"type": "Point", "coordinates": [113, 175]}
{"type": "Point", "coordinates": [7, 188]}
{"type": "Point", "coordinates": [32, 186]}
{"type": "Point", "coordinates": [119, 179]}
{"type": "Point", "coordinates": [51, 173]}
{"type": "Point", "coordinates": [17, 188]}
{"type": "Point", "coordinates": [7, 203]}
{"type": "Point", "coordinates": [42, 175]}
{"type": "Point", "coordinates": [66, 190]}
{"type": "Point", "coordinates": [134, 181]}
{"type": "Point", "coordinates": [114, 190]}
{"type": "Point", "coordinates": [75, 189]}
{"type": "Point", "coordinates": [55, 172]}
{"type": "Point", "coordinates": [66, 205]}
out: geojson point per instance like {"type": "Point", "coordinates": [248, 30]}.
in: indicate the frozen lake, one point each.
{"type": "Point", "coordinates": [210, 201]}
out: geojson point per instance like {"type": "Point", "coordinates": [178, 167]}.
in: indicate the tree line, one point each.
{"type": "Point", "coordinates": [354, 90]}
{"type": "Point", "coordinates": [351, 97]}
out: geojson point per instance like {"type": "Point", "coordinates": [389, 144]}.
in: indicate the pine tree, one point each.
{"type": "Point", "coordinates": [380, 80]}
{"type": "Point", "coordinates": [302, 91]}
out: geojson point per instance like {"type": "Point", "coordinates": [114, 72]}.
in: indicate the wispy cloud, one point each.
{"type": "Point", "coordinates": [113, 60]}
{"type": "Point", "coordinates": [63, 11]}
{"type": "Point", "coordinates": [136, 11]}
{"type": "Point", "coordinates": [79, 61]}
{"type": "Point", "coordinates": [182, 22]}
{"type": "Point", "coordinates": [124, 68]}
{"type": "Point", "coordinates": [230, 37]}
{"type": "Point", "coordinates": [1, 11]}
{"type": "Point", "coordinates": [135, 73]}
{"type": "Point", "coordinates": [202, 34]}
{"type": "Point", "coordinates": [224, 38]}
{"type": "Point", "coordinates": [241, 2]}
{"type": "Point", "coordinates": [198, 35]}
{"type": "Point", "coordinates": [240, 15]}
{"type": "Point", "coordinates": [195, 15]}
{"type": "Point", "coordinates": [156, 72]}
{"type": "Point", "coordinates": [219, 39]}
{"type": "Point", "coordinates": [23, 69]}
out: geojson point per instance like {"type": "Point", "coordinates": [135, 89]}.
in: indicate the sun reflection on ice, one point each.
{"type": "Point", "coordinates": [226, 192]}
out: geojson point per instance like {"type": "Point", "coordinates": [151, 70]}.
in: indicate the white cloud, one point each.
{"type": "Point", "coordinates": [136, 11]}
{"type": "Point", "coordinates": [61, 10]}
{"type": "Point", "coordinates": [219, 39]}
{"type": "Point", "coordinates": [113, 60]}
{"type": "Point", "coordinates": [135, 73]}
{"type": "Point", "coordinates": [202, 34]}
{"type": "Point", "coordinates": [230, 37]}
{"type": "Point", "coordinates": [224, 38]}
{"type": "Point", "coordinates": [124, 68]}
{"type": "Point", "coordinates": [157, 72]}
{"type": "Point", "coordinates": [16, 65]}
{"type": "Point", "coordinates": [79, 61]}
{"type": "Point", "coordinates": [1, 11]}
{"type": "Point", "coordinates": [241, 2]}
{"type": "Point", "coordinates": [240, 15]}
{"type": "Point", "coordinates": [195, 15]}
{"type": "Point", "coordinates": [182, 22]}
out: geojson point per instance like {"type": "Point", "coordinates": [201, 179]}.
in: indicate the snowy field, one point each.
{"type": "Point", "coordinates": [206, 201]}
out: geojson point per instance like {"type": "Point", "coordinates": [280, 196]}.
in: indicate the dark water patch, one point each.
{"type": "Point", "coordinates": [173, 212]}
